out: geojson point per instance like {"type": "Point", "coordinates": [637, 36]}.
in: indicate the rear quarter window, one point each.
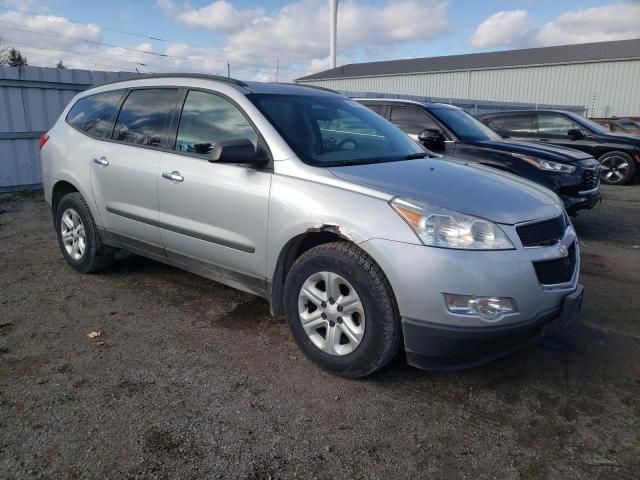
{"type": "Point", "coordinates": [94, 115]}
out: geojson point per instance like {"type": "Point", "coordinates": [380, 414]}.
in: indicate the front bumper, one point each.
{"type": "Point", "coordinates": [580, 190]}
{"type": "Point", "coordinates": [436, 347]}
{"type": "Point", "coordinates": [580, 202]}
{"type": "Point", "coordinates": [420, 276]}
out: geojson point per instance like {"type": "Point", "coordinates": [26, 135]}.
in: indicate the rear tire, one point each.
{"type": "Point", "coordinates": [78, 235]}
{"type": "Point", "coordinates": [620, 168]}
{"type": "Point", "coordinates": [376, 331]}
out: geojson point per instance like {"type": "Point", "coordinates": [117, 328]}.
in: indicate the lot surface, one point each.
{"type": "Point", "coordinates": [196, 380]}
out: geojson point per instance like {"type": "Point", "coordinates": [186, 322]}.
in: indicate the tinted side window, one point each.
{"type": "Point", "coordinates": [143, 115]}
{"type": "Point", "coordinates": [555, 125]}
{"type": "Point", "coordinates": [520, 123]}
{"type": "Point", "coordinates": [496, 123]}
{"type": "Point", "coordinates": [411, 120]}
{"type": "Point", "coordinates": [94, 115]}
{"type": "Point", "coordinates": [375, 107]}
{"type": "Point", "coordinates": [208, 119]}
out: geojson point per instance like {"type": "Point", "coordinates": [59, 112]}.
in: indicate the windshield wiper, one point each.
{"type": "Point", "coordinates": [415, 156]}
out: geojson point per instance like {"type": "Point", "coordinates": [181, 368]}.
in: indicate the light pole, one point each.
{"type": "Point", "coordinates": [333, 19]}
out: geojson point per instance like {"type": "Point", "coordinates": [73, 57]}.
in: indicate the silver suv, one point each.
{"type": "Point", "coordinates": [304, 197]}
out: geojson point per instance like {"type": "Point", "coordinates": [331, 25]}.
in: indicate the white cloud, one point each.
{"type": "Point", "coordinates": [500, 29]}
{"type": "Point", "coordinates": [299, 31]}
{"type": "Point", "coordinates": [54, 31]}
{"type": "Point", "coordinates": [219, 16]}
{"type": "Point", "coordinates": [597, 24]}
{"type": "Point", "coordinates": [617, 21]}
{"type": "Point", "coordinates": [297, 34]}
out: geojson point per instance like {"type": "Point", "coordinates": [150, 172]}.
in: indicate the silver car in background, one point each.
{"type": "Point", "coordinates": [343, 223]}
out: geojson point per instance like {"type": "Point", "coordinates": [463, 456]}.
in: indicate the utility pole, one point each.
{"type": "Point", "coordinates": [228, 70]}
{"type": "Point", "coordinates": [277, 68]}
{"type": "Point", "coordinates": [333, 21]}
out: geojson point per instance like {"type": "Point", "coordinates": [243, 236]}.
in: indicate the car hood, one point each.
{"type": "Point", "coordinates": [468, 188]}
{"type": "Point", "coordinates": [538, 150]}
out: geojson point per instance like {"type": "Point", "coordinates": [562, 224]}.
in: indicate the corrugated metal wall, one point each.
{"type": "Point", "coordinates": [31, 99]}
{"type": "Point", "coordinates": [472, 106]}
{"type": "Point", "coordinates": [605, 88]}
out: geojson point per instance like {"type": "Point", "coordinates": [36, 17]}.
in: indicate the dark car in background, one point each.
{"type": "Point", "coordinates": [618, 154]}
{"type": "Point", "coordinates": [446, 129]}
{"type": "Point", "coordinates": [619, 125]}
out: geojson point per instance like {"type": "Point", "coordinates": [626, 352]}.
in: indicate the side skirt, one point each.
{"type": "Point", "coordinates": [246, 283]}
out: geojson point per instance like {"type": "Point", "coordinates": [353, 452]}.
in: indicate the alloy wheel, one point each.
{"type": "Point", "coordinates": [73, 234]}
{"type": "Point", "coordinates": [614, 168]}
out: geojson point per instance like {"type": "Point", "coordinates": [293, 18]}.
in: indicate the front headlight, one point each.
{"type": "Point", "coordinates": [440, 227]}
{"type": "Point", "coordinates": [546, 164]}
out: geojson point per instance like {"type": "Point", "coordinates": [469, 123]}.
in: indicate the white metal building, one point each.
{"type": "Point", "coordinates": [604, 77]}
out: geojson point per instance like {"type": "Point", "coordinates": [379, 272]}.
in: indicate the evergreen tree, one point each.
{"type": "Point", "coordinates": [16, 59]}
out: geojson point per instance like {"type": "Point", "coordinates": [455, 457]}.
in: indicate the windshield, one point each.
{"type": "Point", "coordinates": [590, 124]}
{"type": "Point", "coordinates": [464, 126]}
{"type": "Point", "coordinates": [328, 130]}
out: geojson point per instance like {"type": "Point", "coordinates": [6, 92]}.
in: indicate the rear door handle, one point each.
{"type": "Point", "coordinates": [174, 176]}
{"type": "Point", "coordinates": [101, 161]}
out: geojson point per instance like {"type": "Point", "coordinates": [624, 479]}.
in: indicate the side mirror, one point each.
{"type": "Point", "coordinates": [431, 137]}
{"type": "Point", "coordinates": [575, 134]}
{"type": "Point", "coordinates": [236, 151]}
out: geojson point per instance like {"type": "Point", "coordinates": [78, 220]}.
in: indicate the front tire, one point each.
{"type": "Point", "coordinates": [341, 310]}
{"type": "Point", "coordinates": [78, 235]}
{"type": "Point", "coordinates": [618, 168]}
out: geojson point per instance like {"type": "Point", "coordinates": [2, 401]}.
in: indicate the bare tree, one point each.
{"type": "Point", "coordinates": [4, 53]}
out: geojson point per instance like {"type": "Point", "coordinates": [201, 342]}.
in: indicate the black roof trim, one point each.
{"type": "Point", "coordinates": [201, 76]}
{"type": "Point", "coordinates": [324, 89]}
{"type": "Point", "coordinates": [556, 55]}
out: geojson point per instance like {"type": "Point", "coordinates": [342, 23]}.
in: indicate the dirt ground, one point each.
{"type": "Point", "coordinates": [190, 379]}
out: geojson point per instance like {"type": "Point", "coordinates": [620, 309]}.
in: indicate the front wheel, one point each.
{"type": "Point", "coordinates": [618, 168]}
{"type": "Point", "coordinates": [78, 235]}
{"type": "Point", "coordinates": [341, 310]}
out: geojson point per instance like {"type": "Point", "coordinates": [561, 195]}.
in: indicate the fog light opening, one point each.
{"type": "Point", "coordinates": [487, 308]}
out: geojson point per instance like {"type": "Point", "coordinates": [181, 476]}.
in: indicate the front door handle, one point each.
{"type": "Point", "coordinates": [101, 161]}
{"type": "Point", "coordinates": [174, 176]}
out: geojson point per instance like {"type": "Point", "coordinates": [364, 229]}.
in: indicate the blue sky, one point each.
{"type": "Point", "coordinates": [206, 34]}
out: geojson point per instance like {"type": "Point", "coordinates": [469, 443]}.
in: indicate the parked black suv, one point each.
{"type": "Point", "coordinates": [572, 174]}
{"type": "Point", "coordinates": [618, 154]}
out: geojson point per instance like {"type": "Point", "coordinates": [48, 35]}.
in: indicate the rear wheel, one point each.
{"type": "Point", "coordinates": [78, 236]}
{"type": "Point", "coordinates": [618, 168]}
{"type": "Point", "coordinates": [341, 310]}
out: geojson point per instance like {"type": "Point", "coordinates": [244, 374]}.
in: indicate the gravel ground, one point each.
{"type": "Point", "coordinates": [190, 379]}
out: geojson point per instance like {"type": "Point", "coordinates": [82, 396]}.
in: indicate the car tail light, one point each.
{"type": "Point", "coordinates": [43, 140]}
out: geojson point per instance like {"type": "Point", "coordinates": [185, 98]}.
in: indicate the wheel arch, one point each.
{"type": "Point", "coordinates": [59, 190]}
{"type": "Point", "coordinates": [293, 249]}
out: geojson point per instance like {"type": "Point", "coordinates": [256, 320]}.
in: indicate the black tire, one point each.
{"type": "Point", "coordinates": [629, 174]}
{"type": "Point", "coordinates": [97, 255]}
{"type": "Point", "coordinates": [383, 333]}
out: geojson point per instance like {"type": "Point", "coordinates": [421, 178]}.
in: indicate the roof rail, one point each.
{"type": "Point", "coordinates": [203, 76]}
{"type": "Point", "coordinates": [325, 89]}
